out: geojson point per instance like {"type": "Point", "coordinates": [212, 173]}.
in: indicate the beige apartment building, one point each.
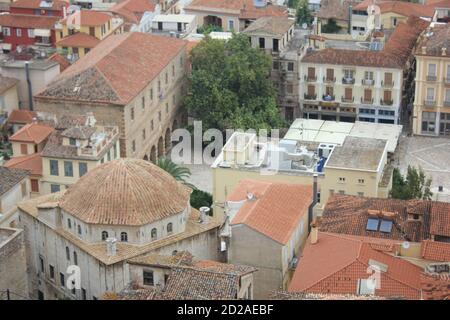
{"type": "Point", "coordinates": [432, 90]}
{"type": "Point", "coordinates": [135, 81]}
{"type": "Point", "coordinates": [71, 153]}
{"type": "Point", "coordinates": [355, 84]}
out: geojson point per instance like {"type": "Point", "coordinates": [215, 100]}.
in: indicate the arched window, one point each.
{"type": "Point", "coordinates": [104, 235]}
{"type": "Point", "coordinates": [79, 229]}
{"type": "Point", "coordinates": [169, 227]}
{"type": "Point", "coordinates": [69, 223]}
{"type": "Point", "coordinates": [75, 258]}
{"type": "Point", "coordinates": [123, 237]}
{"type": "Point", "coordinates": [67, 253]}
{"type": "Point", "coordinates": [154, 234]}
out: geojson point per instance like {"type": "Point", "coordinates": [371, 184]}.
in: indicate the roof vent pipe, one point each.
{"type": "Point", "coordinates": [203, 212]}
{"type": "Point", "coordinates": [30, 91]}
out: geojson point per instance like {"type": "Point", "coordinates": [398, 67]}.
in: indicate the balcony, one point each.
{"type": "Point", "coordinates": [329, 80]}
{"type": "Point", "coordinates": [348, 80]}
{"type": "Point", "coordinates": [366, 101]}
{"type": "Point", "coordinates": [447, 103]}
{"type": "Point", "coordinates": [367, 82]}
{"type": "Point", "coordinates": [327, 97]}
{"type": "Point", "coordinates": [310, 78]}
{"type": "Point", "coordinates": [429, 103]}
{"type": "Point", "coordinates": [386, 102]}
{"type": "Point", "coordinates": [310, 96]}
{"type": "Point", "coordinates": [447, 80]}
{"type": "Point", "coordinates": [431, 78]}
{"type": "Point", "coordinates": [387, 84]}
{"type": "Point", "coordinates": [347, 99]}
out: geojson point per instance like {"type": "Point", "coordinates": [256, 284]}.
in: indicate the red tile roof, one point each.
{"type": "Point", "coordinates": [440, 219]}
{"type": "Point", "coordinates": [435, 251]}
{"type": "Point", "coordinates": [63, 63]}
{"type": "Point", "coordinates": [435, 287]}
{"type": "Point", "coordinates": [28, 21]}
{"type": "Point", "coordinates": [121, 66]}
{"type": "Point", "coordinates": [79, 40]}
{"type": "Point", "coordinates": [336, 262]}
{"type": "Point", "coordinates": [22, 116]}
{"type": "Point", "coordinates": [133, 10]}
{"type": "Point", "coordinates": [35, 4]}
{"type": "Point", "coordinates": [89, 18]}
{"type": "Point", "coordinates": [32, 133]}
{"type": "Point", "coordinates": [406, 9]}
{"type": "Point", "coordinates": [276, 209]}
{"type": "Point", "coordinates": [394, 55]}
{"type": "Point", "coordinates": [32, 162]}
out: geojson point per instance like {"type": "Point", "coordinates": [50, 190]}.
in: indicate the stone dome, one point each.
{"type": "Point", "coordinates": [125, 192]}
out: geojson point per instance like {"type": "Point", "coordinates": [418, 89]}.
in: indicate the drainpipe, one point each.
{"type": "Point", "coordinates": [350, 9]}
{"type": "Point", "coordinates": [313, 204]}
{"type": "Point", "coordinates": [30, 92]}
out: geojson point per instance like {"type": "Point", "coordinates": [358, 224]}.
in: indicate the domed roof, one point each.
{"type": "Point", "coordinates": [125, 192]}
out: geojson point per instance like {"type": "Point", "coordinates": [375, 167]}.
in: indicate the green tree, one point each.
{"type": "Point", "coordinates": [303, 13]}
{"type": "Point", "coordinates": [331, 27]}
{"type": "Point", "coordinates": [415, 186]}
{"type": "Point", "coordinates": [180, 173]}
{"type": "Point", "coordinates": [230, 86]}
{"type": "Point", "coordinates": [201, 198]}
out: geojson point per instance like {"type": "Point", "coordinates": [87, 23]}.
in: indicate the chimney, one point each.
{"type": "Point", "coordinates": [30, 91]}
{"type": "Point", "coordinates": [314, 202]}
{"type": "Point", "coordinates": [111, 246]}
{"type": "Point", "coordinates": [424, 50]}
{"type": "Point", "coordinates": [444, 51]}
{"type": "Point", "coordinates": [314, 232]}
{"type": "Point", "coordinates": [203, 212]}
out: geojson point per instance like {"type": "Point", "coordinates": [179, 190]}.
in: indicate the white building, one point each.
{"type": "Point", "coordinates": [119, 210]}
{"type": "Point", "coordinates": [180, 25]}
{"type": "Point", "coordinates": [14, 187]}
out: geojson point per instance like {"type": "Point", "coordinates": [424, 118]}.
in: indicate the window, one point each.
{"type": "Point", "coordinates": [6, 31]}
{"type": "Point", "coordinates": [152, 126]}
{"type": "Point", "coordinates": [23, 187]}
{"type": "Point", "coordinates": [51, 270]}
{"type": "Point", "coordinates": [290, 66]}
{"type": "Point", "coordinates": [132, 114]}
{"type": "Point", "coordinates": [160, 25]}
{"type": "Point", "coordinates": [430, 94]}
{"type": "Point", "coordinates": [133, 146]}
{"type": "Point", "coordinates": [262, 43]}
{"type": "Point", "coordinates": [368, 75]}
{"type": "Point", "coordinates": [154, 234]}
{"type": "Point", "coordinates": [341, 179]}
{"type": "Point", "coordinates": [104, 235]}
{"type": "Point", "coordinates": [361, 181]}
{"type": "Point", "coordinates": [173, 71]}
{"type": "Point", "coordinates": [330, 75]}
{"type": "Point", "coordinates": [342, 192]}
{"type": "Point", "coordinates": [331, 192]}
{"type": "Point", "coordinates": [23, 148]}
{"type": "Point", "coordinates": [386, 226]}
{"type": "Point", "coordinates": [62, 280]}
{"type": "Point", "coordinates": [159, 116]}
{"type": "Point", "coordinates": [447, 95]}
{"type": "Point", "coordinates": [55, 188]}
{"type": "Point", "coordinates": [360, 194]}
{"type": "Point", "coordinates": [123, 237]}
{"type": "Point", "coordinates": [275, 65]}
{"type": "Point", "coordinates": [143, 134]}
{"type": "Point", "coordinates": [388, 78]}
{"type": "Point", "coordinates": [230, 25]}
{"type": "Point", "coordinates": [366, 288]}
{"type": "Point", "coordinates": [151, 94]}
{"type": "Point", "coordinates": [69, 223]}
{"type": "Point", "coordinates": [167, 107]}
{"type": "Point", "coordinates": [79, 229]}
{"type": "Point", "coordinates": [348, 74]}
{"type": "Point", "coordinates": [72, 141]}
{"type": "Point", "coordinates": [75, 258]}
{"type": "Point", "coordinates": [34, 185]}
{"type": "Point", "coordinates": [67, 254]}
{"type": "Point", "coordinates": [41, 264]}
{"type": "Point", "coordinates": [275, 45]}
{"type": "Point", "coordinates": [169, 227]}
{"type": "Point", "coordinates": [143, 103]}
{"type": "Point", "coordinates": [18, 32]}
{"type": "Point", "coordinates": [431, 71]}
{"type": "Point", "coordinates": [148, 278]}
{"type": "Point", "coordinates": [166, 78]}
{"type": "Point", "coordinates": [372, 224]}
{"type": "Point", "coordinates": [82, 168]}
{"type": "Point", "coordinates": [68, 168]}
{"type": "Point", "coordinates": [428, 122]}
{"type": "Point", "coordinates": [54, 171]}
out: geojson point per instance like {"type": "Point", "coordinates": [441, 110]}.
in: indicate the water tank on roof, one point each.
{"type": "Point", "coordinates": [259, 3]}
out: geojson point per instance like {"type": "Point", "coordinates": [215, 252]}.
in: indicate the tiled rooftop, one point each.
{"type": "Point", "coordinates": [10, 177]}
{"type": "Point", "coordinates": [276, 26]}
{"type": "Point", "coordinates": [31, 162]}
{"type": "Point", "coordinates": [32, 133]}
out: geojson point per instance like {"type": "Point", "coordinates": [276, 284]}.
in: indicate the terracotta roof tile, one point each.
{"type": "Point", "coordinates": [276, 209]}
{"type": "Point", "coordinates": [244, 8]}
{"type": "Point", "coordinates": [336, 262]}
{"type": "Point", "coordinates": [435, 287]}
{"type": "Point", "coordinates": [28, 21]}
{"type": "Point", "coordinates": [406, 9]}
{"type": "Point", "coordinates": [7, 83]}
{"type": "Point", "coordinates": [9, 177]}
{"type": "Point", "coordinates": [32, 162]}
{"type": "Point", "coordinates": [63, 62]}
{"type": "Point", "coordinates": [440, 219]}
{"type": "Point", "coordinates": [79, 39]}
{"type": "Point", "coordinates": [116, 70]}
{"type": "Point", "coordinates": [271, 25]}
{"type": "Point", "coordinates": [133, 10]}
{"type": "Point", "coordinates": [22, 116]}
{"type": "Point", "coordinates": [125, 192]}
{"type": "Point", "coordinates": [436, 251]}
{"type": "Point", "coordinates": [32, 133]}
{"type": "Point", "coordinates": [437, 38]}
{"type": "Point", "coordinates": [35, 4]}
{"type": "Point", "coordinates": [89, 18]}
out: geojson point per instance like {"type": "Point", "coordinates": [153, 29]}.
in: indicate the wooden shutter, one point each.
{"type": "Point", "coordinates": [23, 149]}
{"type": "Point", "coordinates": [311, 90]}
{"type": "Point", "coordinates": [34, 185]}
{"type": "Point", "coordinates": [387, 96]}
{"type": "Point", "coordinates": [311, 73]}
{"type": "Point", "coordinates": [348, 94]}
{"type": "Point", "coordinates": [329, 91]}
{"type": "Point", "coordinates": [330, 74]}
{"type": "Point", "coordinates": [387, 78]}
{"type": "Point", "coordinates": [367, 95]}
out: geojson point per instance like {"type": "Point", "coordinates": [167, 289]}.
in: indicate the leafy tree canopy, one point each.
{"type": "Point", "coordinates": [414, 186]}
{"type": "Point", "coordinates": [231, 86]}
{"type": "Point", "coordinates": [303, 13]}
{"type": "Point", "coordinates": [180, 173]}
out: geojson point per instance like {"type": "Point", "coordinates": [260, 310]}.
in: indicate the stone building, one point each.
{"type": "Point", "coordinates": [14, 187]}
{"type": "Point", "coordinates": [13, 265]}
{"type": "Point", "coordinates": [120, 210]}
{"type": "Point", "coordinates": [136, 81]}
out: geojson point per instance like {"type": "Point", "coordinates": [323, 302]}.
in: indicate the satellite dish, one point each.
{"type": "Point", "coordinates": [405, 245]}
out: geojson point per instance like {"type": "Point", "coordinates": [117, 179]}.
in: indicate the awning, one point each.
{"type": "Point", "coordinates": [41, 32]}
{"type": "Point", "coordinates": [5, 46]}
